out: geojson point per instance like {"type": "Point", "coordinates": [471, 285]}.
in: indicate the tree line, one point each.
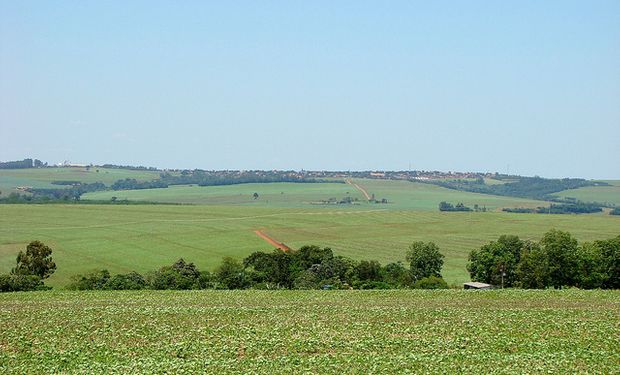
{"type": "Point", "coordinates": [310, 267]}
{"type": "Point", "coordinates": [22, 164]}
{"type": "Point", "coordinates": [557, 261]}
{"type": "Point", "coordinates": [524, 187]}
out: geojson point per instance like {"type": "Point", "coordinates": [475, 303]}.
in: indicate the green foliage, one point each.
{"type": "Point", "coordinates": [561, 250]}
{"type": "Point", "coordinates": [496, 262]}
{"type": "Point", "coordinates": [181, 275]}
{"type": "Point", "coordinates": [230, 274]}
{"type": "Point", "coordinates": [95, 280]}
{"type": "Point", "coordinates": [36, 261]}
{"type": "Point", "coordinates": [20, 283]}
{"type": "Point", "coordinates": [424, 259]}
{"type": "Point", "coordinates": [298, 332]}
{"type": "Point", "coordinates": [130, 281]}
{"type": "Point", "coordinates": [26, 163]}
{"type": "Point", "coordinates": [615, 211]}
{"type": "Point", "coordinates": [369, 270]}
{"type": "Point", "coordinates": [591, 267]}
{"type": "Point", "coordinates": [556, 261]}
{"type": "Point", "coordinates": [523, 187]}
{"type": "Point", "coordinates": [397, 275]}
{"type": "Point", "coordinates": [445, 206]}
{"type": "Point", "coordinates": [533, 269]}
{"type": "Point", "coordinates": [611, 254]}
{"type": "Point", "coordinates": [431, 282]}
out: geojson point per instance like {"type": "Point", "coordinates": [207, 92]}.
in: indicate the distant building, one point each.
{"type": "Point", "coordinates": [477, 285]}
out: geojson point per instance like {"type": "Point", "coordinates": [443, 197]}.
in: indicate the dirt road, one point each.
{"type": "Point", "coordinates": [358, 187]}
{"type": "Point", "coordinates": [276, 244]}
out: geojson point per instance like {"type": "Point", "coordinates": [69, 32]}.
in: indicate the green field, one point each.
{"type": "Point", "coordinates": [406, 195]}
{"type": "Point", "coordinates": [221, 221]}
{"type": "Point", "coordinates": [42, 177]}
{"type": "Point", "coordinates": [600, 194]}
{"type": "Point", "coordinates": [270, 194]}
{"type": "Point", "coordinates": [401, 195]}
{"type": "Point", "coordinates": [337, 332]}
{"type": "Point", "coordinates": [122, 238]}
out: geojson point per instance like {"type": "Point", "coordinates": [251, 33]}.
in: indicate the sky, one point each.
{"type": "Point", "coordinates": [524, 87]}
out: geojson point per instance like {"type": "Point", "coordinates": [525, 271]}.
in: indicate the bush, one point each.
{"type": "Point", "coordinates": [130, 281]}
{"type": "Point", "coordinates": [18, 283]}
{"type": "Point", "coordinates": [230, 274]}
{"type": "Point", "coordinates": [431, 282]}
{"type": "Point", "coordinates": [95, 280]}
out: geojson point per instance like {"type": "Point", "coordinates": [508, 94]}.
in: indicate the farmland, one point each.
{"type": "Point", "coordinates": [401, 195]}
{"type": "Point", "coordinates": [218, 221]}
{"type": "Point", "coordinates": [42, 177]}
{"type": "Point", "coordinates": [122, 238]}
{"type": "Point", "coordinates": [602, 194]}
{"type": "Point", "coordinates": [310, 331]}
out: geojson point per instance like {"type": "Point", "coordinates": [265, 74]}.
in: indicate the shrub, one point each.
{"type": "Point", "coordinates": [431, 282]}
{"type": "Point", "coordinates": [95, 280]}
{"type": "Point", "coordinates": [18, 283]}
{"type": "Point", "coordinates": [130, 281]}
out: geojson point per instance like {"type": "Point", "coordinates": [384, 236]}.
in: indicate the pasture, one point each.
{"type": "Point", "coordinates": [601, 194]}
{"type": "Point", "coordinates": [42, 177]}
{"type": "Point", "coordinates": [401, 195]}
{"type": "Point", "coordinates": [328, 332]}
{"type": "Point", "coordinates": [122, 238]}
{"type": "Point", "coordinates": [279, 194]}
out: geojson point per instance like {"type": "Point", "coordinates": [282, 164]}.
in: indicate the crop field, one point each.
{"type": "Point", "coordinates": [401, 195]}
{"type": "Point", "coordinates": [279, 194]}
{"type": "Point", "coordinates": [42, 177]}
{"type": "Point", "coordinates": [601, 194]}
{"type": "Point", "coordinates": [285, 332]}
{"type": "Point", "coordinates": [123, 238]}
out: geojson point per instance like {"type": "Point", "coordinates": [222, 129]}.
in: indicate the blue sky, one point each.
{"type": "Point", "coordinates": [526, 86]}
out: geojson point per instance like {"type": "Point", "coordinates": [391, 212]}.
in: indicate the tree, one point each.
{"type": "Point", "coordinates": [611, 254]}
{"type": "Point", "coordinates": [130, 281]}
{"type": "Point", "coordinates": [306, 256]}
{"type": "Point", "coordinates": [425, 260]}
{"type": "Point", "coordinates": [230, 274]}
{"type": "Point", "coordinates": [36, 261]}
{"type": "Point", "coordinates": [533, 268]}
{"type": "Point", "coordinates": [271, 267]}
{"type": "Point", "coordinates": [369, 270]}
{"type": "Point", "coordinates": [396, 274]}
{"type": "Point", "coordinates": [561, 250]}
{"type": "Point", "coordinates": [591, 267]}
{"type": "Point", "coordinates": [19, 283]}
{"type": "Point", "coordinates": [95, 280]}
{"type": "Point", "coordinates": [496, 263]}
{"type": "Point", "coordinates": [181, 275]}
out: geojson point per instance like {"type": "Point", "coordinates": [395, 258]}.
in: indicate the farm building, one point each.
{"type": "Point", "coordinates": [477, 285]}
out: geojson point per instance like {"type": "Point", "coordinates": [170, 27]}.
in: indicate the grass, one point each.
{"type": "Point", "coordinates": [42, 177]}
{"type": "Point", "coordinates": [405, 195]}
{"type": "Point", "coordinates": [335, 332]}
{"type": "Point", "coordinates": [401, 195]}
{"type": "Point", "coordinates": [601, 194]}
{"type": "Point", "coordinates": [270, 194]}
{"type": "Point", "coordinates": [143, 238]}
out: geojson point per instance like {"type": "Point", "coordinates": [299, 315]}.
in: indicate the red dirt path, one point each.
{"type": "Point", "coordinates": [272, 241]}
